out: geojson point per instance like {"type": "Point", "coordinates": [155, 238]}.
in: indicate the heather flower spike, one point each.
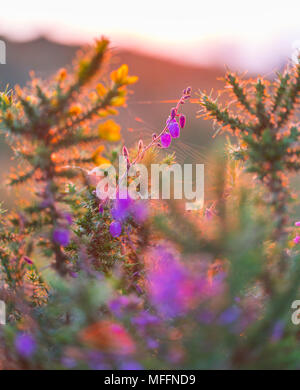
{"type": "Point", "coordinates": [125, 152]}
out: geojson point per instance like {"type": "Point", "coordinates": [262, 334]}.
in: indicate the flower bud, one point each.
{"type": "Point", "coordinates": [140, 146]}
{"type": "Point", "coordinates": [182, 121]}
{"type": "Point", "coordinates": [125, 152]}
{"type": "Point", "coordinates": [173, 113]}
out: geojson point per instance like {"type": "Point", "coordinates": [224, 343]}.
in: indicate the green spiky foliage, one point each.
{"type": "Point", "coordinates": [261, 116]}
{"type": "Point", "coordinates": [183, 290]}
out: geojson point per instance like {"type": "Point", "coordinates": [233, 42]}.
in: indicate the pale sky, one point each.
{"type": "Point", "coordinates": [256, 32]}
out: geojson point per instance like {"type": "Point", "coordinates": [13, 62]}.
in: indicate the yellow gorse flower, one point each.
{"type": "Point", "coordinates": [101, 90]}
{"type": "Point", "coordinates": [75, 110]}
{"type": "Point", "coordinates": [120, 76]}
{"type": "Point", "coordinates": [110, 131]}
{"type": "Point", "coordinates": [118, 101]}
{"type": "Point", "coordinates": [97, 157]}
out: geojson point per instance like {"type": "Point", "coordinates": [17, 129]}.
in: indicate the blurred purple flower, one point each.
{"type": "Point", "coordinates": [115, 229]}
{"type": "Point", "coordinates": [172, 288]}
{"type": "Point", "coordinates": [68, 362]}
{"type": "Point", "coordinates": [68, 217]}
{"type": "Point", "coordinates": [25, 345]}
{"type": "Point", "coordinates": [121, 208]}
{"type": "Point", "coordinates": [297, 240]}
{"type": "Point", "coordinates": [152, 344]}
{"type": "Point", "coordinates": [61, 236]}
{"type": "Point", "coordinates": [297, 223]}
{"type": "Point", "coordinates": [277, 331]}
{"type": "Point", "coordinates": [123, 304]}
{"type": "Point", "coordinates": [131, 365]}
{"type": "Point", "coordinates": [144, 320]}
{"type": "Point", "coordinates": [96, 361]}
{"type": "Point", "coordinates": [230, 315]}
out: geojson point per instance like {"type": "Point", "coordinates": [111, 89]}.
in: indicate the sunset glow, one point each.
{"type": "Point", "coordinates": [193, 29]}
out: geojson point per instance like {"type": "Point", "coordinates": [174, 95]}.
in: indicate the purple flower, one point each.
{"type": "Point", "coordinates": [68, 217]}
{"type": "Point", "coordinates": [172, 288]}
{"type": "Point", "coordinates": [121, 208]}
{"type": "Point", "coordinates": [61, 236]}
{"type": "Point", "coordinates": [144, 320]}
{"type": "Point", "coordinates": [165, 140]}
{"type": "Point", "coordinates": [182, 121]}
{"type": "Point", "coordinates": [230, 315]}
{"type": "Point", "coordinates": [117, 305]}
{"type": "Point", "coordinates": [297, 240]}
{"type": "Point", "coordinates": [297, 223]}
{"type": "Point", "coordinates": [277, 331]}
{"type": "Point", "coordinates": [96, 361]}
{"type": "Point", "coordinates": [152, 344]}
{"type": "Point", "coordinates": [25, 345]}
{"type": "Point", "coordinates": [115, 229]}
{"type": "Point", "coordinates": [131, 365]}
{"type": "Point", "coordinates": [123, 304]}
{"type": "Point", "coordinates": [174, 129]}
{"type": "Point", "coordinates": [68, 362]}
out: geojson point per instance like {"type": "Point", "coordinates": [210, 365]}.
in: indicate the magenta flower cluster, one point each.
{"type": "Point", "coordinates": [297, 238]}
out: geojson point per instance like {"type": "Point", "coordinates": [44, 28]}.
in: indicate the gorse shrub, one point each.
{"type": "Point", "coordinates": [96, 283]}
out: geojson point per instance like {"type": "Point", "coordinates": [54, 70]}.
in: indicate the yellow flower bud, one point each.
{"type": "Point", "coordinates": [75, 110]}
{"type": "Point", "coordinates": [97, 157]}
{"type": "Point", "coordinates": [110, 131]}
{"type": "Point", "coordinates": [118, 101]}
{"type": "Point", "coordinates": [132, 79]}
{"type": "Point", "coordinates": [101, 90]}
